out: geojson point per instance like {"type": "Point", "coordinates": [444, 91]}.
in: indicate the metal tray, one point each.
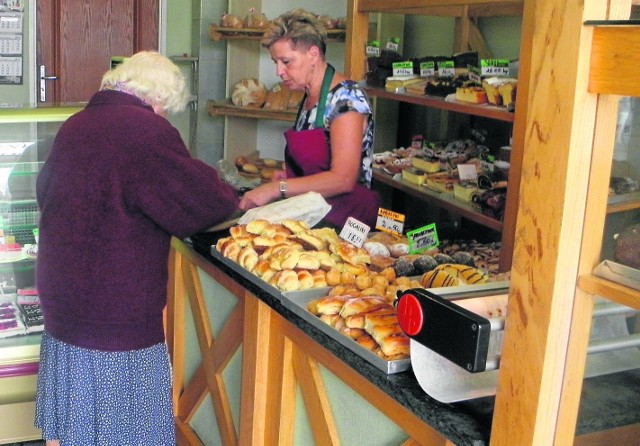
{"type": "Point", "coordinates": [297, 301]}
{"type": "Point", "coordinates": [619, 273]}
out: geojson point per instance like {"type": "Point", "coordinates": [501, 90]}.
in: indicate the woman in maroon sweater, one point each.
{"type": "Point", "coordinates": [119, 182]}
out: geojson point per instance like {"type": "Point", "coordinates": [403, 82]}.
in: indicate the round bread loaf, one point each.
{"type": "Point", "coordinates": [249, 92]}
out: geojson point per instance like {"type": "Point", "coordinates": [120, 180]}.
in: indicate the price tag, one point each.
{"type": "Point", "coordinates": [355, 232]}
{"type": "Point", "coordinates": [494, 67]}
{"type": "Point", "coordinates": [423, 238]}
{"type": "Point", "coordinates": [446, 68]}
{"type": "Point", "coordinates": [389, 221]}
{"type": "Point", "coordinates": [373, 48]}
{"type": "Point", "coordinates": [372, 51]}
{"type": "Point", "coordinates": [402, 68]}
{"type": "Point", "coordinates": [427, 69]}
{"type": "Point", "coordinates": [393, 44]}
{"type": "Point", "coordinates": [474, 75]}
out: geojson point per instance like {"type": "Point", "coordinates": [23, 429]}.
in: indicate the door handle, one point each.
{"type": "Point", "coordinates": [43, 82]}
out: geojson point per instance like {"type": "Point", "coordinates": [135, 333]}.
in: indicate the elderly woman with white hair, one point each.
{"type": "Point", "coordinates": [118, 184]}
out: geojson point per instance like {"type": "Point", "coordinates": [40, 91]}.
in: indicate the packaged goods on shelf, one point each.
{"type": "Point", "coordinates": [414, 175]}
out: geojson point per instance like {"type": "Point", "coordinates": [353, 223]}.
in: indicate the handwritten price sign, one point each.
{"type": "Point", "coordinates": [389, 221]}
{"type": "Point", "coordinates": [355, 232]}
{"type": "Point", "coordinates": [423, 238]}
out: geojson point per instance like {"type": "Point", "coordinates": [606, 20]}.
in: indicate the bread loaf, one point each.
{"type": "Point", "coordinates": [231, 21]}
{"type": "Point", "coordinates": [249, 92]}
{"type": "Point", "coordinates": [277, 97]}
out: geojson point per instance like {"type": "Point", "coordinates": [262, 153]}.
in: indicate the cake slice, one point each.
{"type": "Point", "coordinates": [473, 95]}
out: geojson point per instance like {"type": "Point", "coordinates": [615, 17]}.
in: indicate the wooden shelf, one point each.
{"type": "Point", "coordinates": [623, 202]}
{"type": "Point", "coordinates": [221, 33]}
{"type": "Point", "coordinates": [455, 8]}
{"type": "Point", "coordinates": [610, 290]}
{"type": "Point", "coordinates": [484, 110]}
{"type": "Point", "coordinates": [444, 200]}
{"type": "Point", "coordinates": [226, 108]}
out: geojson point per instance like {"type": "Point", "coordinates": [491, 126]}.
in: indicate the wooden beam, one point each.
{"type": "Point", "coordinates": [549, 231]}
{"type": "Point", "coordinates": [614, 67]}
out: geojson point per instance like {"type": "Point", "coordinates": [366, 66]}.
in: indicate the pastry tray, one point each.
{"type": "Point", "coordinates": [297, 301]}
{"type": "Point", "coordinates": [618, 273]}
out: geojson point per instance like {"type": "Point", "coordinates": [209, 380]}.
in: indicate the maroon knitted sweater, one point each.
{"type": "Point", "coordinates": [118, 183]}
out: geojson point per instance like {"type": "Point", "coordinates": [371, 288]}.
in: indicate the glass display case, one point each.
{"type": "Point", "coordinates": [26, 136]}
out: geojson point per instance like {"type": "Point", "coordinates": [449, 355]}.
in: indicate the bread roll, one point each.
{"type": "Point", "coordinates": [353, 333]}
{"type": "Point", "coordinates": [328, 305]}
{"type": "Point", "coordinates": [263, 270]}
{"type": "Point", "coordinates": [248, 258]}
{"type": "Point", "coordinates": [249, 92]}
{"type": "Point", "coordinates": [270, 162]}
{"type": "Point", "coordinates": [333, 320]}
{"type": "Point", "coordinates": [295, 226]}
{"type": "Point", "coordinates": [285, 280]}
{"type": "Point", "coordinates": [399, 249]}
{"type": "Point", "coordinates": [305, 279]}
{"type": "Point", "coordinates": [394, 345]}
{"type": "Point", "coordinates": [275, 229]}
{"type": "Point", "coordinates": [257, 226]}
{"type": "Point", "coordinates": [308, 240]}
{"type": "Point", "coordinates": [308, 262]}
{"type": "Point", "coordinates": [250, 168]}
{"type": "Point", "coordinates": [319, 278]}
{"type": "Point", "coordinates": [220, 243]}
{"type": "Point", "coordinates": [367, 342]}
{"type": "Point", "coordinates": [376, 249]}
{"type": "Point", "coordinates": [351, 253]}
{"type": "Point", "coordinates": [238, 231]}
{"type": "Point", "coordinates": [333, 277]}
{"type": "Point", "coordinates": [358, 320]}
{"type": "Point", "coordinates": [324, 257]}
{"type": "Point", "coordinates": [379, 318]}
{"type": "Point", "coordinates": [361, 304]}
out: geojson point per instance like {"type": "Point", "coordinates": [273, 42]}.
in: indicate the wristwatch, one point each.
{"type": "Point", "coordinates": [283, 189]}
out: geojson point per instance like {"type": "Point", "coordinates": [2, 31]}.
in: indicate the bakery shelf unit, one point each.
{"type": "Point", "coordinates": [443, 200]}
{"type": "Point", "coordinates": [564, 128]}
{"type": "Point", "coordinates": [221, 33]}
{"type": "Point", "coordinates": [463, 11]}
{"type": "Point", "coordinates": [484, 110]}
{"type": "Point", "coordinates": [225, 107]}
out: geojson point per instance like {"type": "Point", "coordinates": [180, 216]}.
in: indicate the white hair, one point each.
{"type": "Point", "coordinates": [151, 77]}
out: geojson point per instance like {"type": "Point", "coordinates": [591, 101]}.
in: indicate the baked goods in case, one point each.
{"type": "Point", "coordinates": [473, 95]}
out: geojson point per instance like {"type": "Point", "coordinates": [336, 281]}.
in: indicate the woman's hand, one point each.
{"type": "Point", "coordinates": [261, 195]}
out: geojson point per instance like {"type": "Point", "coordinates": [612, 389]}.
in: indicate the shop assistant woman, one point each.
{"type": "Point", "coordinates": [329, 149]}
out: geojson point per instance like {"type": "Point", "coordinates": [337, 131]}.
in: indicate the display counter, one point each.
{"type": "Point", "coordinates": [290, 382]}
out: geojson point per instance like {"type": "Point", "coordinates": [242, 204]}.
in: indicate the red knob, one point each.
{"type": "Point", "coordinates": [410, 315]}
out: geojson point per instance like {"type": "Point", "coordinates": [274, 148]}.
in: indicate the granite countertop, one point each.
{"type": "Point", "coordinates": [463, 423]}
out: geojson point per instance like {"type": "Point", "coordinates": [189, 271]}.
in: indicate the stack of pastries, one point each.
{"type": "Point", "coordinates": [291, 256]}
{"type": "Point", "coordinates": [371, 321]}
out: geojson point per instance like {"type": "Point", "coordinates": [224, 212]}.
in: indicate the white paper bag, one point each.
{"type": "Point", "coordinates": [309, 208]}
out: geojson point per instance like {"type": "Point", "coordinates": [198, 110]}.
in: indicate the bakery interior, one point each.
{"type": "Point", "coordinates": [539, 249]}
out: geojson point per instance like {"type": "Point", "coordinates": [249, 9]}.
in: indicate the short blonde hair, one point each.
{"type": "Point", "coordinates": [151, 77]}
{"type": "Point", "coordinates": [299, 26]}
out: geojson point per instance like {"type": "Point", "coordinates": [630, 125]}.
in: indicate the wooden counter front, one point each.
{"type": "Point", "coordinates": [247, 371]}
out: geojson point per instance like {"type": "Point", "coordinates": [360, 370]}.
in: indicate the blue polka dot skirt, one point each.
{"type": "Point", "coordinates": [92, 397]}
